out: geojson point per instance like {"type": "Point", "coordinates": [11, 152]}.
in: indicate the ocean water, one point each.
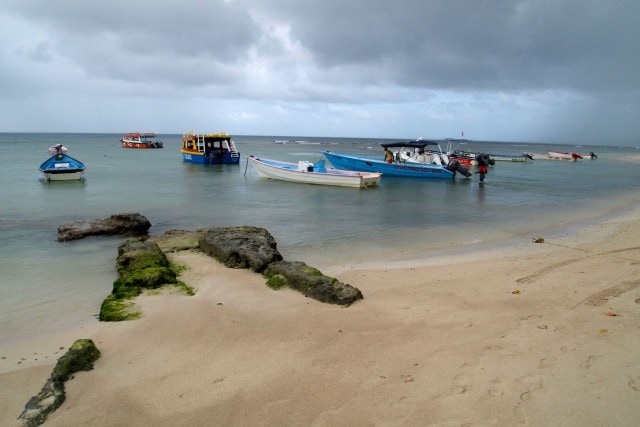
{"type": "Point", "coordinates": [46, 285]}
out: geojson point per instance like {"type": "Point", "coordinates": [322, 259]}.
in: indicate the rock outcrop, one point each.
{"type": "Point", "coordinates": [80, 357]}
{"type": "Point", "coordinates": [128, 224]}
{"type": "Point", "coordinates": [179, 240]}
{"type": "Point", "coordinates": [141, 265]}
{"type": "Point", "coordinates": [311, 282]}
{"type": "Point", "coordinates": [241, 247]}
{"type": "Point", "coordinates": [255, 248]}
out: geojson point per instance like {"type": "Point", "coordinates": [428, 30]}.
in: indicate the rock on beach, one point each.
{"type": "Point", "coordinates": [128, 224]}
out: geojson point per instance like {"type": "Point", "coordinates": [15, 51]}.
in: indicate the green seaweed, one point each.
{"type": "Point", "coordinates": [80, 357]}
{"type": "Point", "coordinates": [118, 309]}
{"type": "Point", "coordinates": [141, 268]}
{"type": "Point", "coordinates": [277, 281]}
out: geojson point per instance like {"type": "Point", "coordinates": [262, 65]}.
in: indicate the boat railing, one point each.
{"type": "Point", "coordinates": [231, 147]}
{"type": "Point", "coordinates": [200, 143]}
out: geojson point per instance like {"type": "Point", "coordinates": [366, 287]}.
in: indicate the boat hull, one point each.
{"type": "Point", "coordinates": [62, 168]}
{"type": "Point", "coordinates": [506, 158]}
{"type": "Point", "coordinates": [362, 164]}
{"type": "Point", "coordinates": [133, 144]}
{"type": "Point", "coordinates": [63, 176]}
{"type": "Point", "coordinates": [291, 172]}
{"type": "Point", "coordinates": [564, 156]}
{"type": "Point", "coordinates": [211, 159]}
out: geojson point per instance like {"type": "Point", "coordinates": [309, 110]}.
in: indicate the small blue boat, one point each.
{"type": "Point", "coordinates": [418, 159]}
{"type": "Point", "coordinates": [209, 149]}
{"type": "Point", "coordinates": [61, 167]}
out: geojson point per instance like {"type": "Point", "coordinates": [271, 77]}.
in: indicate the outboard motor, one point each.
{"type": "Point", "coordinates": [455, 166]}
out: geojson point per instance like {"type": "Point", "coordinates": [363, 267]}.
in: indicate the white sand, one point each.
{"type": "Point", "coordinates": [518, 336]}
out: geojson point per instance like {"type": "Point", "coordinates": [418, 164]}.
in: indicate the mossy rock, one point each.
{"type": "Point", "coordinates": [80, 357]}
{"type": "Point", "coordinates": [141, 266]}
{"type": "Point", "coordinates": [178, 240]}
{"type": "Point", "coordinates": [118, 310]}
{"type": "Point", "coordinates": [131, 282]}
{"type": "Point", "coordinates": [311, 282]}
{"type": "Point", "coordinates": [241, 247]}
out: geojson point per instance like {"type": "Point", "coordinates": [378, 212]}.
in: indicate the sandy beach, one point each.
{"type": "Point", "coordinates": [538, 334]}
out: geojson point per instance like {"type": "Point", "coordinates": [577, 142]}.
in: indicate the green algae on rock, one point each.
{"type": "Point", "coordinates": [80, 357]}
{"type": "Point", "coordinates": [141, 265]}
{"type": "Point", "coordinates": [311, 282]}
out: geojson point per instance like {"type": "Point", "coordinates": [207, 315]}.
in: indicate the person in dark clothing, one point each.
{"type": "Point", "coordinates": [483, 165]}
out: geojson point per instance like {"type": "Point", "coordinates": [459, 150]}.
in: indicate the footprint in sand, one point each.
{"type": "Point", "coordinates": [587, 363]}
{"type": "Point", "coordinates": [532, 382]}
{"type": "Point", "coordinates": [633, 384]}
{"type": "Point", "coordinates": [547, 362]}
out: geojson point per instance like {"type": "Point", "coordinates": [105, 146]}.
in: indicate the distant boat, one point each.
{"type": "Point", "coordinates": [564, 156]}
{"type": "Point", "coordinates": [58, 149]}
{"type": "Point", "coordinates": [140, 140]}
{"type": "Point", "coordinates": [61, 167]}
{"type": "Point", "coordinates": [554, 155]}
{"type": "Point", "coordinates": [309, 173]}
{"type": "Point", "coordinates": [418, 159]}
{"type": "Point", "coordinates": [209, 149]}
{"type": "Point", "coordinates": [590, 156]}
{"type": "Point", "coordinates": [538, 156]}
{"type": "Point", "coordinates": [510, 157]}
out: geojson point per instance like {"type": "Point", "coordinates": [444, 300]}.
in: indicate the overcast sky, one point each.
{"type": "Point", "coordinates": [532, 70]}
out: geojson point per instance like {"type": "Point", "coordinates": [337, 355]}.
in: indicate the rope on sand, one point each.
{"type": "Point", "coordinates": [541, 240]}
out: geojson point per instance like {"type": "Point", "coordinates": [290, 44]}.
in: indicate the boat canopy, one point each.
{"type": "Point", "coordinates": [420, 144]}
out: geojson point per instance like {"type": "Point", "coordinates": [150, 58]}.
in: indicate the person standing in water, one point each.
{"type": "Point", "coordinates": [483, 165]}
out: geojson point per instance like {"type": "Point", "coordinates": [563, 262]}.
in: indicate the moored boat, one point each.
{"type": "Point", "coordinates": [140, 140]}
{"type": "Point", "coordinates": [564, 156]}
{"type": "Point", "coordinates": [62, 167]}
{"type": "Point", "coordinates": [309, 173]}
{"type": "Point", "coordinates": [58, 149]}
{"type": "Point", "coordinates": [468, 159]}
{"type": "Point", "coordinates": [536, 156]}
{"type": "Point", "coordinates": [209, 149]}
{"type": "Point", "coordinates": [510, 157]}
{"type": "Point", "coordinates": [465, 158]}
{"type": "Point", "coordinates": [418, 159]}
{"type": "Point", "coordinates": [590, 156]}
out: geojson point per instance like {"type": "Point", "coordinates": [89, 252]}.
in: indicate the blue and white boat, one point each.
{"type": "Point", "coordinates": [61, 167]}
{"type": "Point", "coordinates": [418, 159]}
{"type": "Point", "coordinates": [305, 172]}
{"type": "Point", "coordinates": [209, 149]}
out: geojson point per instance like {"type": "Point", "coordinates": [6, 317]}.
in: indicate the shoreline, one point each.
{"type": "Point", "coordinates": [547, 334]}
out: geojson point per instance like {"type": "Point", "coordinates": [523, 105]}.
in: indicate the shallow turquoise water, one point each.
{"type": "Point", "coordinates": [46, 284]}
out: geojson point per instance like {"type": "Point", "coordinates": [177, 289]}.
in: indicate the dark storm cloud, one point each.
{"type": "Point", "coordinates": [545, 69]}
{"type": "Point", "coordinates": [137, 40]}
{"type": "Point", "coordinates": [455, 45]}
{"type": "Point", "coordinates": [485, 45]}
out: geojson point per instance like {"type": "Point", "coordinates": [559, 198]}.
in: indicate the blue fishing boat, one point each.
{"type": "Point", "coordinates": [61, 167]}
{"type": "Point", "coordinates": [419, 159]}
{"type": "Point", "coordinates": [209, 149]}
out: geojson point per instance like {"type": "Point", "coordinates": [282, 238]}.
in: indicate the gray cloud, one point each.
{"type": "Point", "coordinates": [448, 63]}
